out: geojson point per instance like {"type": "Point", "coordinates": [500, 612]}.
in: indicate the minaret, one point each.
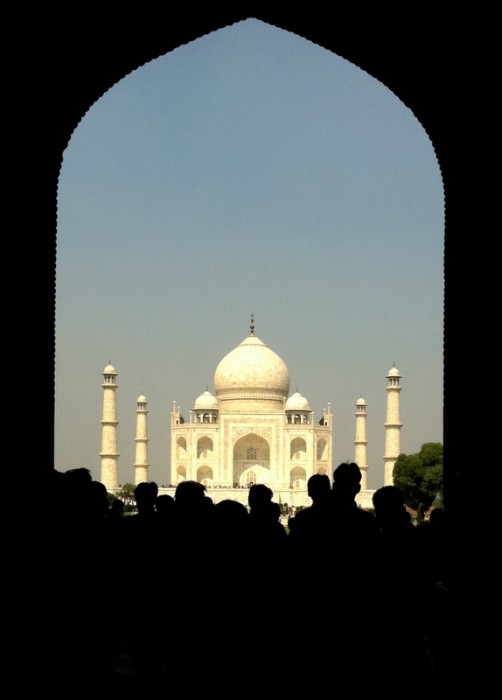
{"type": "Point", "coordinates": [141, 462]}
{"type": "Point", "coordinates": [109, 453]}
{"type": "Point", "coordinates": [360, 442]}
{"type": "Point", "coordinates": [392, 426]}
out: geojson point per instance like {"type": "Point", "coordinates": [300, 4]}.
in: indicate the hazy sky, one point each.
{"type": "Point", "coordinates": [249, 171]}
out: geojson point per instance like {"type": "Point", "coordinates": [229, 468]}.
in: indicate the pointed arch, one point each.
{"type": "Point", "coordinates": [204, 447]}
{"type": "Point", "coordinates": [251, 460]}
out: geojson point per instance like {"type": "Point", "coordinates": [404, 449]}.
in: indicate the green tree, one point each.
{"type": "Point", "coordinates": [420, 477]}
{"type": "Point", "coordinates": [126, 493]}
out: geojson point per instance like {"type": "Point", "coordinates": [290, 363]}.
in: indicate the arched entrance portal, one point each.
{"type": "Point", "coordinates": [298, 478]}
{"type": "Point", "coordinates": [251, 462]}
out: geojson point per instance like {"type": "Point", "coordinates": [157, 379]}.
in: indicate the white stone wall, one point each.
{"type": "Point", "coordinates": [273, 436]}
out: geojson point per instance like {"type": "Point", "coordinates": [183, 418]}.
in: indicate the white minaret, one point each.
{"type": "Point", "coordinates": [360, 442]}
{"type": "Point", "coordinates": [392, 426]}
{"type": "Point", "coordinates": [109, 453]}
{"type": "Point", "coordinates": [141, 461]}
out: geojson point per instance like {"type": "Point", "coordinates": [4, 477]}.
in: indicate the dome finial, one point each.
{"type": "Point", "coordinates": [251, 327]}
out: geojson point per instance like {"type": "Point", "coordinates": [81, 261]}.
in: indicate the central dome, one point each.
{"type": "Point", "coordinates": [252, 370]}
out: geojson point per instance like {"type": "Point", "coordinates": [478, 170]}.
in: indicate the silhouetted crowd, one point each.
{"type": "Point", "coordinates": [188, 596]}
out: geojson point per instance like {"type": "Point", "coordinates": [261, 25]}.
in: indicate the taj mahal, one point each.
{"type": "Point", "coordinates": [250, 430]}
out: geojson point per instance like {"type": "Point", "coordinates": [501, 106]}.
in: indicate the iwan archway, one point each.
{"type": "Point", "coordinates": [252, 239]}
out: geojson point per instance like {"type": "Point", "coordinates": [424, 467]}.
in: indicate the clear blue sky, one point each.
{"type": "Point", "coordinates": [249, 171]}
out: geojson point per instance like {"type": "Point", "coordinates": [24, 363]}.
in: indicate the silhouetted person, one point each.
{"type": "Point", "coordinates": [403, 588]}
{"type": "Point", "coordinates": [99, 503]}
{"type": "Point", "coordinates": [267, 532]}
{"type": "Point", "coordinates": [103, 576]}
{"type": "Point", "coordinates": [116, 509]}
{"type": "Point", "coordinates": [305, 525]}
{"type": "Point", "coordinates": [432, 536]}
{"type": "Point", "coordinates": [191, 550]}
{"type": "Point", "coordinates": [192, 519]}
{"type": "Point", "coordinates": [350, 577]}
{"type": "Point", "coordinates": [399, 554]}
{"type": "Point", "coordinates": [164, 505]}
{"type": "Point", "coordinates": [189, 498]}
{"type": "Point", "coordinates": [77, 498]}
{"type": "Point", "coordinates": [141, 533]}
{"type": "Point", "coordinates": [231, 530]}
{"type": "Point", "coordinates": [354, 529]}
{"type": "Point", "coordinates": [143, 581]}
{"type": "Point", "coordinates": [311, 550]}
{"type": "Point", "coordinates": [268, 564]}
{"type": "Point", "coordinates": [318, 488]}
{"type": "Point", "coordinates": [441, 620]}
{"type": "Point", "coordinates": [79, 555]}
{"type": "Point", "coordinates": [231, 648]}
{"type": "Point", "coordinates": [332, 544]}
{"type": "Point", "coordinates": [145, 495]}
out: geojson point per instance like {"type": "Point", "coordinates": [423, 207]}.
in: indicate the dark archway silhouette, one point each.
{"type": "Point", "coordinates": [69, 66]}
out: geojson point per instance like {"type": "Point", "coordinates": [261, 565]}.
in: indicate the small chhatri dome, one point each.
{"type": "Point", "coordinates": [393, 372]}
{"type": "Point", "coordinates": [141, 399]}
{"type": "Point", "coordinates": [360, 402]}
{"type": "Point", "coordinates": [109, 369]}
{"type": "Point", "coordinates": [297, 402]}
{"type": "Point", "coordinates": [252, 370]}
{"type": "Point", "coordinates": [206, 401]}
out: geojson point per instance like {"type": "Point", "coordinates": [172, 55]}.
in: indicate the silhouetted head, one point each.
{"type": "Point", "coordinates": [347, 480]}
{"type": "Point", "coordinates": [437, 518]}
{"type": "Point", "coordinates": [318, 487]}
{"type": "Point", "coordinates": [116, 509]}
{"type": "Point", "coordinates": [388, 499]}
{"type": "Point", "coordinates": [389, 505]}
{"type": "Point", "coordinates": [145, 495]}
{"type": "Point", "coordinates": [164, 504]}
{"type": "Point", "coordinates": [259, 496]}
{"type": "Point", "coordinates": [275, 511]}
{"type": "Point", "coordinates": [78, 492]}
{"type": "Point", "coordinates": [190, 494]}
{"type": "Point", "coordinates": [99, 499]}
{"type": "Point", "coordinates": [230, 514]}
{"type": "Point", "coordinates": [78, 481]}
